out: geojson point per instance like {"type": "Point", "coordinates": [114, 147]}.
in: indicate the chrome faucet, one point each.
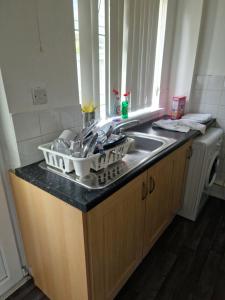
{"type": "Point", "coordinates": [120, 127]}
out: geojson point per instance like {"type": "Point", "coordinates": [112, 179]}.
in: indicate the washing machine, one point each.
{"type": "Point", "coordinates": [202, 171]}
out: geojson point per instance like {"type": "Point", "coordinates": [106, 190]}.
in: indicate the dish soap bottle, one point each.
{"type": "Point", "coordinates": [125, 104]}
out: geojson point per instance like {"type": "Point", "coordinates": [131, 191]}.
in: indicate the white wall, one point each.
{"type": "Point", "coordinates": [37, 48]}
{"type": "Point", "coordinates": [24, 126]}
{"type": "Point", "coordinates": [212, 46]}
{"type": "Point", "coordinates": [186, 36]}
{"type": "Point", "coordinates": [208, 90]}
{"type": "Point", "coordinates": [167, 54]}
{"type": "Point", "coordinates": [24, 66]}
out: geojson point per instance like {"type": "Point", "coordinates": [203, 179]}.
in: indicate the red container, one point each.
{"type": "Point", "coordinates": [178, 107]}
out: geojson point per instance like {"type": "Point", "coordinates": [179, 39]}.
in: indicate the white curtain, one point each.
{"type": "Point", "coordinates": [89, 50]}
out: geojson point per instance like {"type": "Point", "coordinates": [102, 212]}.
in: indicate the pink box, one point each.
{"type": "Point", "coordinates": [178, 107]}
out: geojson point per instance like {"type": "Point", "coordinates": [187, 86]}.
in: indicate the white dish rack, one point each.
{"type": "Point", "coordinates": [83, 166]}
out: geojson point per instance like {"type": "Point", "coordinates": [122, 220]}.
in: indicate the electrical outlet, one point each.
{"type": "Point", "coordinates": [39, 95]}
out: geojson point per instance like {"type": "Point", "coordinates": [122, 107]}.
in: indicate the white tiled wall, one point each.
{"type": "Point", "coordinates": [35, 128]}
{"type": "Point", "coordinates": [208, 96]}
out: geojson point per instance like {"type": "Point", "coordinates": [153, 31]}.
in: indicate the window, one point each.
{"type": "Point", "coordinates": [101, 35]}
{"type": "Point", "coordinates": [77, 44]}
{"type": "Point", "coordinates": [119, 44]}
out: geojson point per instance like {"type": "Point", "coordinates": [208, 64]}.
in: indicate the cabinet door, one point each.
{"type": "Point", "coordinates": [115, 236]}
{"type": "Point", "coordinates": [180, 166]}
{"type": "Point", "coordinates": [158, 211]}
{"type": "Point", "coordinates": [54, 242]}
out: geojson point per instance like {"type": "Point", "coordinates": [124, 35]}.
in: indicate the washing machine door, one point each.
{"type": "Point", "coordinates": [212, 170]}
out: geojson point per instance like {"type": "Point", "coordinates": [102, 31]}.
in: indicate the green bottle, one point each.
{"type": "Point", "coordinates": [125, 103]}
{"type": "Point", "coordinates": [125, 109]}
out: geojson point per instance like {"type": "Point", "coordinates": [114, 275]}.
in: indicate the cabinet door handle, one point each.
{"type": "Point", "coordinates": [143, 191]}
{"type": "Point", "coordinates": [189, 152]}
{"type": "Point", "coordinates": [146, 190]}
{"type": "Point", "coordinates": [151, 184]}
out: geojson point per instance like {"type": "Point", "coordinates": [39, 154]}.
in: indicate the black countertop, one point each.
{"type": "Point", "coordinates": [84, 199]}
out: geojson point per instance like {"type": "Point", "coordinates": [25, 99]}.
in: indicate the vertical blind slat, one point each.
{"type": "Point", "coordinates": [116, 45]}
{"type": "Point", "coordinates": [142, 27]}
{"type": "Point", "coordinates": [89, 49]}
{"type": "Point", "coordinates": [107, 60]}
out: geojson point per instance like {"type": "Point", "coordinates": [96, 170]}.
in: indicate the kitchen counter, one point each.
{"type": "Point", "coordinates": [84, 199]}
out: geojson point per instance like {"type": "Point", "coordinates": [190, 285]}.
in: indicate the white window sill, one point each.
{"type": "Point", "coordinates": [146, 114]}
{"type": "Point", "coordinates": [143, 115]}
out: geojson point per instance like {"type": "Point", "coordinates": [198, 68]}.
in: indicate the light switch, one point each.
{"type": "Point", "coordinates": [39, 95]}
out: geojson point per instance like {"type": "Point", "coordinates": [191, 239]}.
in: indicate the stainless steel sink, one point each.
{"type": "Point", "coordinates": [145, 146]}
{"type": "Point", "coordinates": [150, 143]}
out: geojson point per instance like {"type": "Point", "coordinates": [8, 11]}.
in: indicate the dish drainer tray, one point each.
{"type": "Point", "coordinates": [82, 166]}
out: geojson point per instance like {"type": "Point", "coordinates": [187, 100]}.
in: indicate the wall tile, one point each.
{"type": "Point", "coordinates": [49, 121]}
{"type": "Point", "coordinates": [29, 152]}
{"type": "Point", "coordinates": [50, 137]}
{"type": "Point", "coordinates": [197, 96]}
{"type": "Point", "coordinates": [201, 82]}
{"type": "Point", "coordinates": [70, 116]}
{"type": "Point", "coordinates": [221, 112]}
{"type": "Point", "coordinates": [222, 98]}
{"type": "Point", "coordinates": [35, 128]}
{"type": "Point", "coordinates": [26, 125]}
{"type": "Point", "coordinates": [78, 126]}
{"type": "Point", "coordinates": [211, 97]}
{"type": "Point", "coordinates": [204, 108]}
{"type": "Point", "coordinates": [215, 82]}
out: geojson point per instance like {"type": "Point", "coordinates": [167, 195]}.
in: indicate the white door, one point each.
{"type": "Point", "coordinates": [10, 267]}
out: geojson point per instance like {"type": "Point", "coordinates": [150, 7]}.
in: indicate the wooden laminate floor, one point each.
{"type": "Point", "coordinates": [187, 263]}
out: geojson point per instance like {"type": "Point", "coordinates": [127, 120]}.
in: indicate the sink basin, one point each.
{"type": "Point", "coordinates": [145, 146]}
{"type": "Point", "coordinates": [151, 144]}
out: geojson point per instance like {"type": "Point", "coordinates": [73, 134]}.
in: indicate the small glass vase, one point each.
{"type": "Point", "coordinates": [87, 117]}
